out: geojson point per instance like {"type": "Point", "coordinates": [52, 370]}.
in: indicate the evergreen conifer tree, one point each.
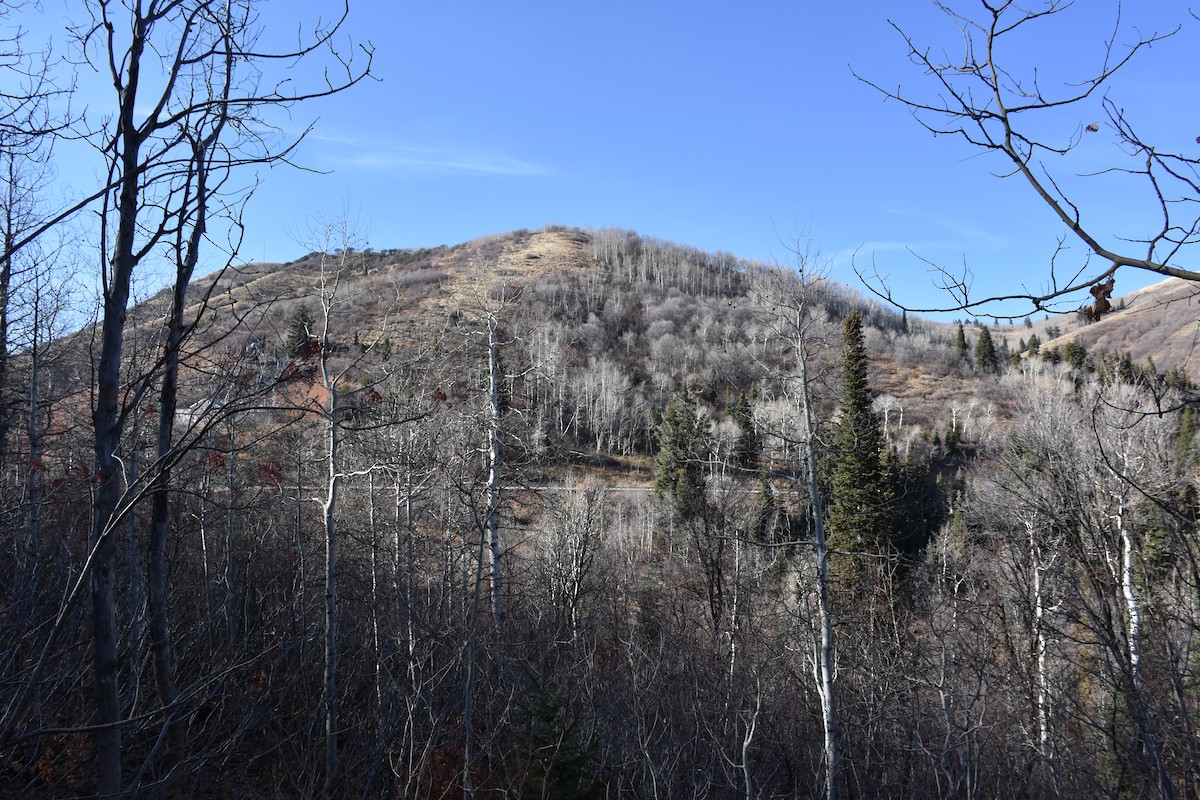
{"type": "Point", "coordinates": [985, 351]}
{"type": "Point", "coordinates": [960, 342]}
{"type": "Point", "coordinates": [748, 447]}
{"type": "Point", "coordinates": [1076, 355]}
{"type": "Point", "coordinates": [301, 330]}
{"type": "Point", "coordinates": [860, 508]}
{"type": "Point", "coordinates": [953, 437]}
{"type": "Point", "coordinates": [765, 522]}
{"type": "Point", "coordinates": [681, 452]}
{"type": "Point", "coordinates": [560, 763]}
{"type": "Point", "coordinates": [918, 505]}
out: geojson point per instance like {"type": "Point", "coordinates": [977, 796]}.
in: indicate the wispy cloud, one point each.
{"type": "Point", "coordinates": [396, 156]}
{"type": "Point", "coordinates": [861, 257]}
{"type": "Point", "coordinates": [970, 237]}
{"type": "Point", "coordinates": [975, 236]}
{"type": "Point", "coordinates": [942, 240]}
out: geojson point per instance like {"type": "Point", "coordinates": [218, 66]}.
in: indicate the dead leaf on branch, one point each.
{"type": "Point", "coordinates": [1101, 293]}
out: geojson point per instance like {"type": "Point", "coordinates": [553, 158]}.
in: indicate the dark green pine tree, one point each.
{"type": "Point", "coordinates": [560, 764]}
{"type": "Point", "coordinates": [919, 509]}
{"type": "Point", "coordinates": [960, 342]}
{"type": "Point", "coordinates": [985, 352]}
{"type": "Point", "coordinates": [765, 525]}
{"type": "Point", "coordinates": [1076, 355]}
{"type": "Point", "coordinates": [861, 496]}
{"type": "Point", "coordinates": [682, 448]}
{"type": "Point", "coordinates": [748, 447]}
{"type": "Point", "coordinates": [301, 330]}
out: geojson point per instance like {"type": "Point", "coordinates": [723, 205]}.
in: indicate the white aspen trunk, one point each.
{"type": "Point", "coordinates": [1040, 641]}
{"type": "Point", "coordinates": [949, 762]}
{"type": "Point", "coordinates": [826, 679]}
{"type": "Point", "coordinates": [1044, 701]}
{"type": "Point", "coordinates": [1043, 690]}
{"type": "Point", "coordinates": [493, 520]}
{"type": "Point", "coordinates": [1133, 620]}
{"type": "Point", "coordinates": [734, 608]}
{"type": "Point", "coordinates": [1133, 610]}
{"type": "Point", "coordinates": [206, 559]}
{"type": "Point", "coordinates": [410, 588]}
{"type": "Point", "coordinates": [375, 641]}
{"type": "Point", "coordinates": [747, 740]}
{"type": "Point", "coordinates": [332, 487]}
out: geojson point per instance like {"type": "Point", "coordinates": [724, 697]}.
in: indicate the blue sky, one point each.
{"type": "Point", "coordinates": [727, 126]}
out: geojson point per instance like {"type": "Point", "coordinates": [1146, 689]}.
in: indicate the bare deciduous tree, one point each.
{"type": "Point", "coordinates": [988, 90]}
{"type": "Point", "coordinates": [191, 94]}
{"type": "Point", "coordinates": [792, 301]}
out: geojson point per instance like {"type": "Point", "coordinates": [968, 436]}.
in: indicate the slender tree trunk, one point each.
{"type": "Point", "coordinates": [104, 623]}
{"type": "Point", "coordinates": [1041, 643]}
{"type": "Point", "coordinates": [1133, 611]}
{"type": "Point", "coordinates": [468, 783]}
{"type": "Point", "coordinates": [382, 709]}
{"type": "Point", "coordinates": [107, 491]}
{"type": "Point", "coordinates": [376, 645]}
{"type": "Point", "coordinates": [160, 517]}
{"type": "Point", "coordinates": [410, 596]}
{"type": "Point", "coordinates": [137, 582]}
{"type": "Point", "coordinates": [493, 507]}
{"type": "Point", "coordinates": [187, 256]}
{"type": "Point", "coordinates": [302, 589]}
{"type": "Point", "coordinates": [206, 558]}
{"type": "Point", "coordinates": [826, 681]}
{"type": "Point", "coordinates": [33, 476]}
{"type": "Point", "coordinates": [1137, 688]}
{"type": "Point", "coordinates": [1039, 565]}
{"type": "Point", "coordinates": [11, 222]}
{"type": "Point", "coordinates": [231, 604]}
{"type": "Point", "coordinates": [333, 486]}
{"type": "Point", "coordinates": [107, 426]}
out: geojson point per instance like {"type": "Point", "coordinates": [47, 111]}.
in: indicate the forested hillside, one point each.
{"type": "Point", "coordinates": [581, 513]}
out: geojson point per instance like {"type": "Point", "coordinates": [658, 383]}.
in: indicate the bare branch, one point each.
{"type": "Point", "coordinates": [997, 103]}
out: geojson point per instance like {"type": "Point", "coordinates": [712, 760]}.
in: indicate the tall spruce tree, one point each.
{"type": "Point", "coordinates": [765, 524]}
{"type": "Point", "coordinates": [748, 448]}
{"type": "Point", "coordinates": [301, 330]}
{"type": "Point", "coordinates": [985, 352]}
{"type": "Point", "coordinates": [860, 507]}
{"type": "Point", "coordinates": [960, 342]}
{"type": "Point", "coordinates": [681, 452]}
